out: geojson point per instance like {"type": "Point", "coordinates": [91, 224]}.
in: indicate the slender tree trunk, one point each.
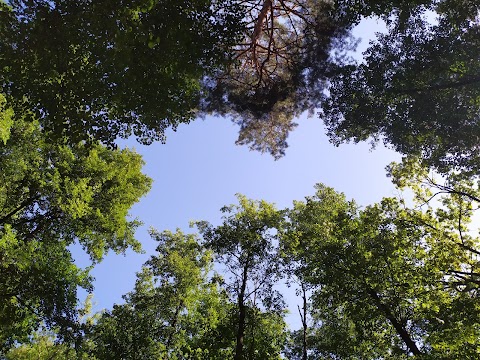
{"type": "Point", "coordinates": [304, 323]}
{"type": "Point", "coordinates": [252, 334]}
{"type": "Point", "coordinates": [173, 326]}
{"type": "Point", "coordinates": [241, 315]}
{"type": "Point", "coordinates": [401, 331]}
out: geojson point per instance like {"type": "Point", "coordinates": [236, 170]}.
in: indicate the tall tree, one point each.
{"type": "Point", "coordinates": [389, 280]}
{"type": "Point", "coordinates": [51, 197]}
{"type": "Point", "coordinates": [279, 68]}
{"type": "Point", "coordinates": [294, 269]}
{"type": "Point", "coordinates": [326, 209]}
{"type": "Point", "coordinates": [246, 245]}
{"type": "Point", "coordinates": [418, 87]}
{"type": "Point", "coordinates": [171, 310]}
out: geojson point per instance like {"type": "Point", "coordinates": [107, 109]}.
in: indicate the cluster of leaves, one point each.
{"type": "Point", "coordinates": [417, 88]}
{"type": "Point", "coordinates": [388, 281]}
{"type": "Point", "coordinates": [279, 68]}
{"type": "Point", "coordinates": [52, 197]}
{"type": "Point", "coordinates": [385, 282]}
{"type": "Point", "coordinates": [104, 70]}
{"type": "Point", "coordinates": [181, 309]}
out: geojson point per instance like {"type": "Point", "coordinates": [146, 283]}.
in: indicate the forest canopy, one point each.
{"type": "Point", "coordinates": [392, 280]}
{"type": "Point", "coordinates": [53, 196]}
{"type": "Point", "coordinates": [382, 282]}
{"type": "Point", "coordinates": [99, 71]}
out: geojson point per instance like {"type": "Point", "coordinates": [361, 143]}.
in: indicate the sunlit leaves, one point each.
{"type": "Point", "coordinates": [52, 197]}
{"type": "Point", "coordinates": [387, 278]}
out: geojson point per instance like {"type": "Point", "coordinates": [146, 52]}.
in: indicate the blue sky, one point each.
{"type": "Point", "coordinates": [200, 170]}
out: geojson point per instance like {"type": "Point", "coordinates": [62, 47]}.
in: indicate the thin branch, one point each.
{"type": "Point", "coordinates": [24, 204]}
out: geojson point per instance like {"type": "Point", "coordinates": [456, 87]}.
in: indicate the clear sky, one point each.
{"type": "Point", "coordinates": [200, 170]}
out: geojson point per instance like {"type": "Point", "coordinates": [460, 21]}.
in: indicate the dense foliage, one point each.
{"type": "Point", "coordinates": [105, 70]}
{"type": "Point", "coordinates": [181, 309]}
{"type": "Point", "coordinates": [417, 88]}
{"type": "Point", "coordinates": [388, 281]}
{"type": "Point", "coordinates": [52, 197]}
{"type": "Point", "coordinates": [102, 71]}
{"type": "Point", "coordinates": [246, 246]}
{"type": "Point", "coordinates": [288, 50]}
{"type": "Point", "coordinates": [383, 282]}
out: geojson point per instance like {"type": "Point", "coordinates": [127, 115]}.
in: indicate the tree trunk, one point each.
{"type": "Point", "coordinates": [303, 317]}
{"type": "Point", "coordinates": [261, 18]}
{"type": "Point", "coordinates": [241, 315]}
{"type": "Point", "coordinates": [304, 323]}
{"type": "Point", "coordinates": [401, 331]}
{"type": "Point", "coordinates": [173, 326]}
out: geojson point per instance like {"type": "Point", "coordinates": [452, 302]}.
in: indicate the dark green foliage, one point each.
{"type": "Point", "coordinates": [418, 89]}
{"type": "Point", "coordinates": [102, 70]}
{"type": "Point", "coordinates": [280, 68]}
{"type": "Point", "coordinates": [92, 71]}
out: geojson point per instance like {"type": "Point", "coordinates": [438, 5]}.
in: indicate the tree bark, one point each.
{"type": "Point", "coordinates": [304, 323]}
{"type": "Point", "coordinates": [23, 205]}
{"type": "Point", "coordinates": [261, 18]}
{"type": "Point", "coordinates": [241, 314]}
{"type": "Point", "coordinates": [173, 325]}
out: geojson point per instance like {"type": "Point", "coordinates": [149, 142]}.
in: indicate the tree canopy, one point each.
{"type": "Point", "coordinates": [246, 245]}
{"type": "Point", "coordinates": [181, 309]}
{"type": "Point", "coordinates": [172, 308]}
{"type": "Point", "coordinates": [417, 88]}
{"type": "Point", "coordinates": [101, 71]}
{"type": "Point", "coordinates": [388, 281]}
{"type": "Point", "coordinates": [107, 70]}
{"type": "Point", "coordinates": [279, 68]}
{"type": "Point", "coordinates": [52, 197]}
